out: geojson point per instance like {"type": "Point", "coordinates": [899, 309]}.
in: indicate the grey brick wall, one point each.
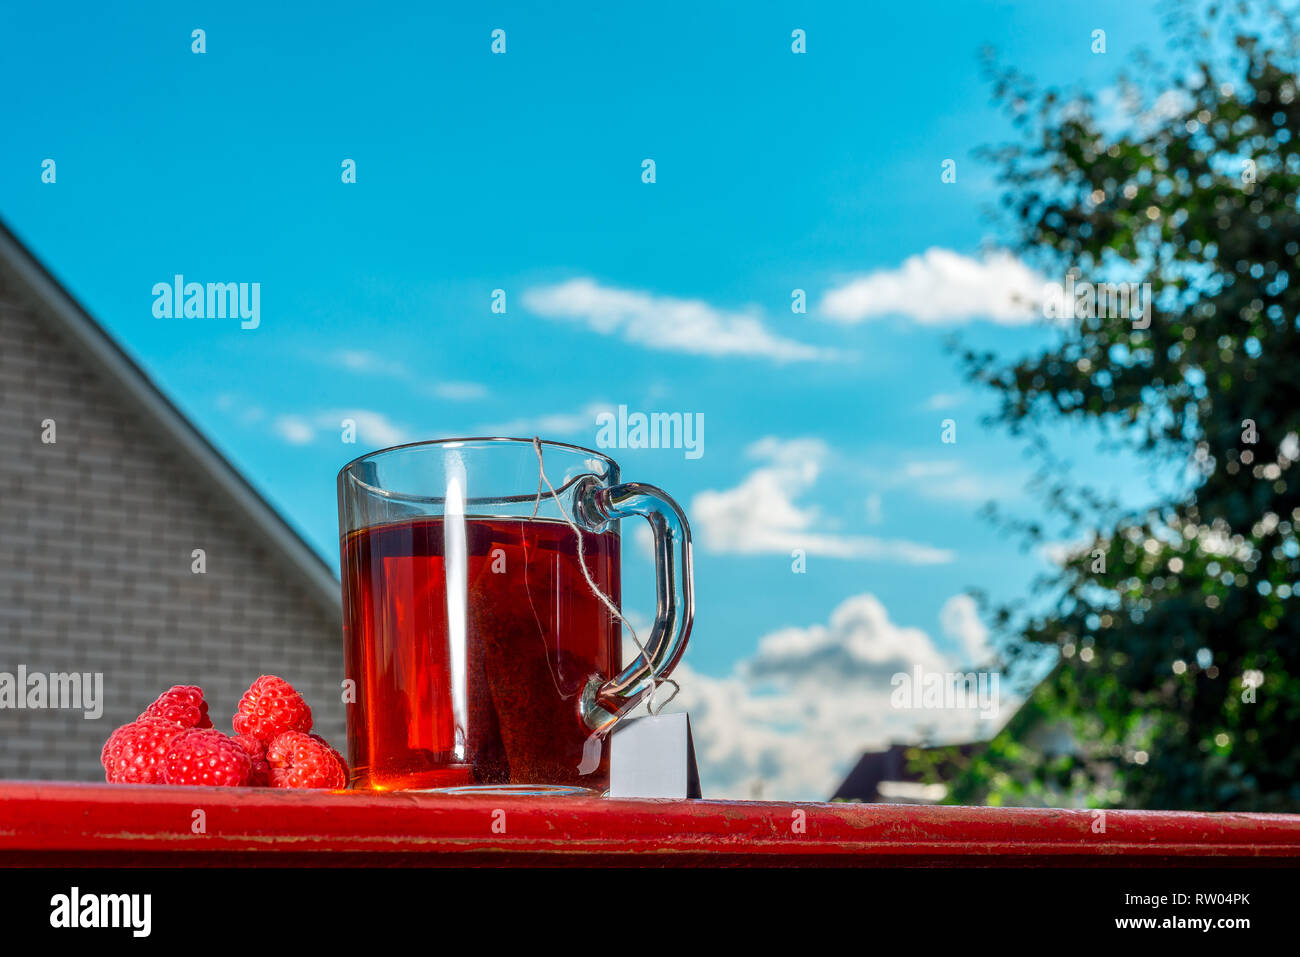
{"type": "Point", "coordinates": [96, 536]}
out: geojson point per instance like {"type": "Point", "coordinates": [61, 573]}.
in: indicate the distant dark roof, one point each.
{"type": "Point", "coordinates": [872, 768]}
{"type": "Point", "coordinates": [863, 782]}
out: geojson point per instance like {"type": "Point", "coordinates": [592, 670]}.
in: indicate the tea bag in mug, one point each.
{"type": "Point", "coordinates": [656, 753]}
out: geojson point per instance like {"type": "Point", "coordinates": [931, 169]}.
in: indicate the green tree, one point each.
{"type": "Point", "coordinates": [1174, 629]}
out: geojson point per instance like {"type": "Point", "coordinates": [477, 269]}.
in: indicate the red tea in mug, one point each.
{"type": "Point", "coordinates": [470, 641]}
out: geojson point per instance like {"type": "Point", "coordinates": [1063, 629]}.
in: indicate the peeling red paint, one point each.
{"type": "Point", "coordinates": [63, 823]}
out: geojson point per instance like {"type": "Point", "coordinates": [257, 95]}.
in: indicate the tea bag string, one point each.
{"type": "Point", "coordinates": [655, 679]}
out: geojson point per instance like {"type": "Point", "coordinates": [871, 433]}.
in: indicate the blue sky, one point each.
{"type": "Point", "coordinates": [774, 171]}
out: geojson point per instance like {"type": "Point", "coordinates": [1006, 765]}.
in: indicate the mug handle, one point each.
{"type": "Point", "coordinates": [604, 702]}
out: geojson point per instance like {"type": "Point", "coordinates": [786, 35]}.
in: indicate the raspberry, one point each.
{"type": "Point", "coordinates": [260, 774]}
{"type": "Point", "coordinates": [133, 754]}
{"type": "Point", "coordinates": [301, 760]}
{"type": "Point", "coordinates": [270, 708]}
{"type": "Point", "coordinates": [207, 758]}
{"type": "Point", "coordinates": [182, 705]}
{"type": "Point", "coordinates": [338, 757]}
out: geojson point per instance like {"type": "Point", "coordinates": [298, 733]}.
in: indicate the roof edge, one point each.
{"type": "Point", "coordinates": [103, 351]}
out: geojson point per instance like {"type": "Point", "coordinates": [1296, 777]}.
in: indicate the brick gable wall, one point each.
{"type": "Point", "coordinates": [96, 536]}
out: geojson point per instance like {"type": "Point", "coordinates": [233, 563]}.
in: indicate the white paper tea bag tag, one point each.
{"type": "Point", "coordinates": [653, 757]}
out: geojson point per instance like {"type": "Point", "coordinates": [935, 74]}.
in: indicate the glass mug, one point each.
{"type": "Point", "coordinates": [481, 656]}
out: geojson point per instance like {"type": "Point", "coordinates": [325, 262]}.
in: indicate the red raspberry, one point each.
{"type": "Point", "coordinates": [334, 751]}
{"type": "Point", "coordinates": [260, 775]}
{"type": "Point", "coordinates": [182, 705]}
{"type": "Point", "coordinates": [269, 708]}
{"type": "Point", "coordinates": [207, 758]}
{"type": "Point", "coordinates": [301, 760]}
{"type": "Point", "coordinates": [133, 754]}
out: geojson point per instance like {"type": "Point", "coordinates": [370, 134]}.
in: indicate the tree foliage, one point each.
{"type": "Point", "coordinates": [1174, 627]}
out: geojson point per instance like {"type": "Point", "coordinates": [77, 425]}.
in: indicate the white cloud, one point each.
{"type": "Point", "coordinates": [644, 540]}
{"type": "Point", "coordinates": [294, 429]}
{"type": "Point", "coordinates": [941, 286]}
{"type": "Point", "coordinates": [643, 624]}
{"type": "Point", "coordinates": [798, 714]}
{"type": "Point", "coordinates": [761, 515]}
{"type": "Point", "coordinates": [364, 362]}
{"type": "Point", "coordinates": [859, 643]}
{"type": "Point", "coordinates": [950, 481]}
{"type": "Point", "coordinates": [943, 400]}
{"type": "Point", "coordinates": [663, 322]}
{"type": "Point", "coordinates": [568, 424]}
{"type": "Point", "coordinates": [459, 391]}
{"type": "Point", "coordinates": [370, 363]}
{"type": "Point", "coordinates": [959, 618]}
{"type": "Point", "coordinates": [245, 412]}
{"type": "Point", "coordinates": [373, 428]}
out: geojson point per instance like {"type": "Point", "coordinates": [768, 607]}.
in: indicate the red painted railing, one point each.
{"type": "Point", "coordinates": [103, 824]}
